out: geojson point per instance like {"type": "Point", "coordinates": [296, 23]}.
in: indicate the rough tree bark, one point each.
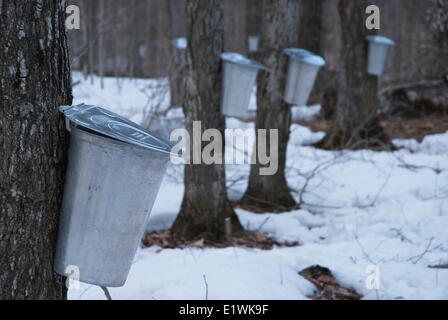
{"type": "Point", "coordinates": [311, 25]}
{"type": "Point", "coordinates": [101, 31]}
{"type": "Point", "coordinates": [178, 56]}
{"type": "Point", "coordinates": [356, 124]}
{"type": "Point", "coordinates": [235, 30]}
{"type": "Point", "coordinates": [280, 20]}
{"type": "Point", "coordinates": [205, 205]}
{"type": "Point", "coordinates": [34, 80]}
{"type": "Point", "coordinates": [320, 32]}
{"type": "Point", "coordinates": [253, 17]}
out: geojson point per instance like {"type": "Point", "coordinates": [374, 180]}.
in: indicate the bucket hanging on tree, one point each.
{"type": "Point", "coordinates": [114, 172]}
{"type": "Point", "coordinates": [239, 77]}
{"type": "Point", "coordinates": [302, 72]}
{"type": "Point", "coordinates": [379, 48]}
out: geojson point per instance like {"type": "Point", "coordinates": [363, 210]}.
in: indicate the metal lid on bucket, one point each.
{"type": "Point", "coordinates": [237, 58]}
{"type": "Point", "coordinates": [296, 52]}
{"type": "Point", "coordinates": [180, 43]}
{"type": "Point", "coordinates": [381, 40]}
{"type": "Point", "coordinates": [305, 56]}
{"type": "Point", "coordinates": [115, 126]}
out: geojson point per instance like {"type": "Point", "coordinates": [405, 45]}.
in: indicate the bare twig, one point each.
{"type": "Point", "coordinates": [106, 293]}
{"type": "Point", "coordinates": [228, 228]}
{"type": "Point", "coordinates": [420, 256]}
{"type": "Point", "coordinates": [373, 202]}
{"type": "Point", "coordinates": [206, 287]}
{"type": "Point", "coordinates": [366, 255]}
{"type": "Point", "coordinates": [441, 266]}
{"type": "Point", "coordinates": [262, 224]}
{"type": "Point", "coordinates": [401, 235]}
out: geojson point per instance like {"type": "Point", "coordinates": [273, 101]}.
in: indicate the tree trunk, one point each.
{"type": "Point", "coordinates": [205, 205]}
{"type": "Point", "coordinates": [35, 80]}
{"type": "Point", "coordinates": [235, 31]}
{"type": "Point", "coordinates": [92, 26]}
{"type": "Point", "coordinates": [320, 33]}
{"type": "Point", "coordinates": [279, 31]}
{"type": "Point", "coordinates": [178, 56]}
{"type": "Point", "coordinates": [132, 49]}
{"type": "Point", "coordinates": [356, 124]}
{"type": "Point", "coordinates": [101, 42]}
{"type": "Point", "coordinates": [310, 25]}
{"type": "Point", "coordinates": [253, 17]}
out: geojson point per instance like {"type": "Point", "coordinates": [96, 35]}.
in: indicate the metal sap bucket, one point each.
{"type": "Point", "coordinates": [239, 76]}
{"type": "Point", "coordinates": [302, 72]}
{"type": "Point", "coordinates": [115, 169]}
{"type": "Point", "coordinates": [379, 48]}
{"type": "Point", "coordinates": [254, 43]}
{"type": "Point", "coordinates": [180, 45]}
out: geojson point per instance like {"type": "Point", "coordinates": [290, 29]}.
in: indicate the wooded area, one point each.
{"type": "Point", "coordinates": [359, 184]}
{"type": "Point", "coordinates": [146, 28]}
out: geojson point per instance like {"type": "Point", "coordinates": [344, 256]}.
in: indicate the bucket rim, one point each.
{"type": "Point", "coordinates": [92, 136]}
{"type": "Point", "coordinates": [180, 43]}
{"type": "Point", "coordinates": [242, 60]}
{"type": "Point", "coordinates": [381, 40]}
{"type": "Point", "coordinates": [305, 56]}
{"type": "Point", "coordinates": [114, 126]}
{"type": "Point", "coordinates": [296, 52]}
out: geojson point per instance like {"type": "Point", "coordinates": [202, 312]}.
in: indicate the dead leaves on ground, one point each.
{"type": "Point", "coordinates": [397, 128]}
{"type": "Point", "coordinates": [166, 240]}
{"type": "Point", "coordinates": [327, 286]}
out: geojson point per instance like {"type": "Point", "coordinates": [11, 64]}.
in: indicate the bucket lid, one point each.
{"type": "Point", "coordinates": [296, 52]}
{"type": "Point", "coordinates": [180, 43]}
{"type": "Point", "coordinates": [115, 126]}
{"type": "Point", "coordinates": [381, 40]}
{"type": "Point", "coordinates": [305, 56]}
{"type": "Point", "coordinates": [237, 58]}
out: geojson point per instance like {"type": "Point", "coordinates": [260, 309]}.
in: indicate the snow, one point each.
{"type": "Point", "coordinates": [361, 210]}
{"type": "Point", "coordinates": [305, 113]}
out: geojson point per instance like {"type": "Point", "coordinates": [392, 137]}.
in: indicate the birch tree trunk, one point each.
{"type": "Point", "coordinates": [34, 81]}
{"type": "Point", "coordinates": [205, 205]}
{"type": "Point", "coordinates": [280, 21]}
{"type": "Point", "coordinates": [356, 124]}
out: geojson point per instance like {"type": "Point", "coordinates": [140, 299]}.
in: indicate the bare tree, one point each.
{"type": "Point", "coordinates": [101, 42]}
{"type": "Point", "coordinates": [235, 35]}
{"type": "Point", "coordinates": [178, 56]}
{"type": "Point", "coordinates": [320, 32]}
{"type": "Point", "coordinates": [35, 80]}
{"type": "Point", "coordinates": [356, 124]}
{"type": "Point", "coordinates": [205, 206]}
{"type": "Point", "coordinates": [280, 21]}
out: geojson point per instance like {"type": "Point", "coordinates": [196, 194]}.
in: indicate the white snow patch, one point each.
{"type": "Point", "coordinates": [363, 208]}
{"type": "Point", "coordinates": [305, 113]}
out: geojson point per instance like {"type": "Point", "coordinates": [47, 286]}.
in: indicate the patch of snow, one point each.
{"type": "Point", "coordinates": [362, 209]}
{"type": "Point", "coordinates": [305, 113]}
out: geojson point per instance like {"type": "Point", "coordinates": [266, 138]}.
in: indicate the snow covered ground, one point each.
{"type": "Point", "coordinates": [366, 215]}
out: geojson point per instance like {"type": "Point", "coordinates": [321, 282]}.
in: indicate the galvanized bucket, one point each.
{"type": "Point", "coordinates": [379, 48]}
{"type": "Point", "coordinates": [239, 76]}
{"type": "Point", "coordinates": [180, 45]}
{"type": "Point", "coordinates": [114, 172]}
{"type": "Point", "coordinates": [302, 72]}
{"type": "Point", "coordinates": [254, 43]}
